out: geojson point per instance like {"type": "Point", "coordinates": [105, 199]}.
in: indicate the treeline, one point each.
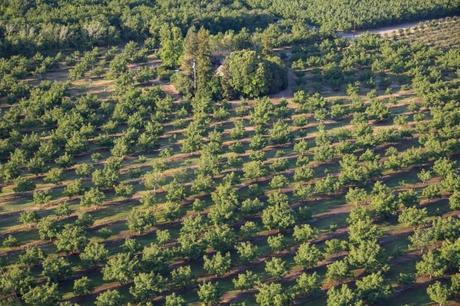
{"type": "Point", "coordinates": [31, 26]}
{"type": "Point", "coordinates": [352, 14]}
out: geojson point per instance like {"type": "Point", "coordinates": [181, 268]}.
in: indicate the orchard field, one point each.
{"type": "Point", "coordinates": [229, 154]}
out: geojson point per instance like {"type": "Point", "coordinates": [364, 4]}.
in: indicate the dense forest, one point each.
{"type": "Point", "coordinates": [32, 25]}
{"type": "Point", "coordinates": [179, 152]}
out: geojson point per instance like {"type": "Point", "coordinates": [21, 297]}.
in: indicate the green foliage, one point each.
{"type": "Point", "coordinates": [271, 294]}
{"type": "Point", "coordinates": [431, 265]}
{"type": "Point", "coordinates": [246, 251]}
{"type": "Point", "coordinates": [338, 270]}
{"type": "Point", "coordinates": [174, 300]}
{"type": "Point", "coordinates": [16, 278]}
{"type": "Point", "coordinates": [71, 239]}
{"type": "Point", "coordinates": [170, 45]}
{"type": "Point", "coordinates": [307, 255]}
{"type": "Point", "coordinates": [412, 216]}
{"type": "Point", "coordinates": [108, 298]}
{"type": "Point", "coordinates": [10, 241]}
{"type": "Point", "coordinates": [208, 292]}
{"type": "Point", "coordinates": [42, 295]}
{"type": "Point", "coordinates": [82, 286]}
{"type": "Point", "coordinates": [249, 74]}
{"type": "Point", "coordinates": [56, 268]}
{"type": "Point", "coordinates": [182, 276]}
{"type": "Point", "coordinates": [120, 268]}
{"type": "Point", "coordinates": [278, 216]}
{"type": "Point", "coordinates": [303, 233]}
{"type": "Point", "coordinates": [372, 288]}
{"type": "Point", "coordinates": [141, 219]}
{"type": "Point", "coordinates": [276, 267]}
{"type": "Point", "coordinates": [145, 285]}
{"type": "Point", "coordinates": [341, 296]}
{"type": "Point", "coordinates": [218, 264]}
{"type": "Point", "coordinates": [191, 175]}
{"type": "Point", "coordinates": [245, 281]}
{"type": "Point", "coordinates": [438, 293]}
{"type": "Point", "coordinates": [307, 283]}
{"type": "Point", "coordinates": [94, 252]}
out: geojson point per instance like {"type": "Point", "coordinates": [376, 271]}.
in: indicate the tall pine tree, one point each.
{"type": "Point", "coordinates": [171, 44]}
{"type": "Point", "coordinates": [196, 64]}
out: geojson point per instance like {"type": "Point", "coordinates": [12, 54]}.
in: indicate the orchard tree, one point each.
{"type": "Point", "coordinates": [279, 133]}
{"type": "Point", "coordinates": [153, 180]}
{"type": "Point", "coordinates": [42, 295]}
{"type": "Point", "coordinates": [363, 230]}
{"type": "Point", "coordinates": [74, 188]}
{"type": "Point", "coordinates": [208, 293]}
{"type": "Point", "coordinates": [105, 178]}
{"type": "Point", "coordinates": [92, 197]}
{"type": "Point", "coordinates": [412, 216]}
{"type": "Point", "coordinates": [366, 254]}
{"type": "Point", "coordinates": [120, 268]}
{"type": "Point", "coordinates": [303, 173]}
{"type": "Point", "coordinates": [174, 300]}
{"type": "Point", "coordinates": [455, 283]}
{"type": "Point", "coordinates": [47, 227]}
{"type": "Point", "coordinates": [225, 201]}
{"type": "Point", "coordinates": [337, 271]}
{"type": "Point", "coordinates": [253, 169]}
{"type": "Point", "coordinates": [141, 219]}
{"type": "Point", "coordinates": [382, 200]}
{"type": "Point", "coordinates": [220, 237]}
{"type": "Point", "coordinates": [377, 110]}
{"type": "Point", "coordinates": [438, 293]}
{"type": "Point", "coordinates": [28, 217]}
{"type": "Point", "coordinates": [82, 286]}
{"type": "Point", "coordinates": [154, 257]}
{"type": "Point", "coordinates": [443, 167]}
{"type": "Point", "coordinates": [450, 253]}
{"type": "Point", "coordinates": [15, 279]}
{"type": "Point", "coordinates": [32, 256]}
{"type": "Point", "coordinates": [276, 267]}
{"type": "Point", "coordinates": [278, 216]}
{"type": "Point", "coordinates": [245, 281]}
{"type": "Point", "coordinates": [56, 267]}
{"type": "Point", "coordinates": [304, 233]}
{"type": "Point", "coordinates": [333, 246]}
{"type": "Point", "coordinates": [276, 242]}
{"type": "Point", "coordinates": [307, 255]}
{"type": "Point", "coordinates": [218, 264]}
{"type": "Point", "coordinates": [262, 112]}
{"type": "Point", "coordinates": [372, 288]}
{"type": "Point", "coordinates": [271, 294]}
{"type": "Point", "coordinates": [175, 191]}
{"type": "Point", "coordinates": [246, 251]}
{"type": "Point", "coordinates": [108, 298]}
{"type": "Point", "coordinates": [431, 265]}
{"type": "Point", "coordinates": [182, 276]}
{"type": "Point", "coordinates": [342, 296]}
{"type": "Point", "coordinates": [454, 200]}
{"type": "Point", "coordinates": [145, 285]}
{"type": "Point", "coordinates": [94, 252]}
{"type": "Point", "coordinates": [54, 175]}
{"type": "Point", "coordinates": [71, 239]}
{"type": "Point", "coordinates": [41, 197]}
{"type": "Point", "coordinates": [307, 284]}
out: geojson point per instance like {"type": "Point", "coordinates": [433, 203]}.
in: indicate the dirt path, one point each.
{"type": "Point", "coordinates": [386, 30]}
